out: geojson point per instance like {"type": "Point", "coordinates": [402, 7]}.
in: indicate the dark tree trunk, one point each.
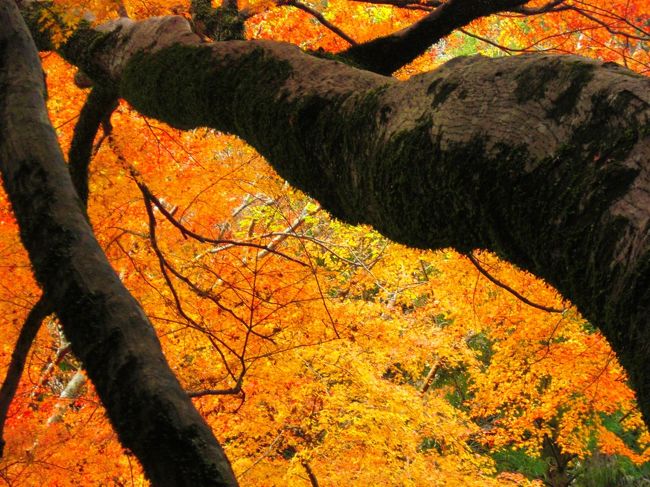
{"type": "Point", "coordinates": [541, 159]}
{"type": "Point", "coordinates": [105, 325]}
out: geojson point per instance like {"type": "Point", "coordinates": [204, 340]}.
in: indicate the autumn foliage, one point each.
{"type": "Point", "coordinates": [320, 353]}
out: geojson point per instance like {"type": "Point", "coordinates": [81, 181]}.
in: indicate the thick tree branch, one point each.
{"type": "Point", "coordinates": [543, 159]}
{"type": "Point", "coordinates": [386, 55]}
{"type": "Point", "coordinates": [107, 329]}
{"type": "Point", "coordinates": [96, 110]}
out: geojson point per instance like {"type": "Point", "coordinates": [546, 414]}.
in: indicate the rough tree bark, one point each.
{"type": "Point", "coordinates": [541, 159]}
{"type": "Point", "coordinates": [106, 327]}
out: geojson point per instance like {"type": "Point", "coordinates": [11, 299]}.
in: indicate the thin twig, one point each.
{"type": "Point", "coordinates": [523, 299]}
{"type": "Point", "coordinates": [319, 16]}
{"type": "Point", "coordinates": [186, 232]}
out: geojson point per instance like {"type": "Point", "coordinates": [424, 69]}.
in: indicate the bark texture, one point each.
{"type": "Point", "coordinates": [542, 159]}
{"type": "Point", "coordinates": [105, 325]}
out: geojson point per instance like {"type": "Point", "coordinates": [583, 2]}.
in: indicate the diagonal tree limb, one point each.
{"type": "Point", "coordinates": [516, 294]}
{"type": "Point", "coordinates": [98, 108]}
{"type": "Point", "coordinates": [543, 159]}
{"type": "Point", "coordinates": [313, 480]}
{"type": "Point", "coordinates": [387, 54]}
{"type": "Point", "coordinates": [71, 391]}
{"type": "Point", "coordinates": [552, 6]}
{"type": "Point", "coordinates": [62, 351]}
{"type": "Point", "coordinates": [108, 330]}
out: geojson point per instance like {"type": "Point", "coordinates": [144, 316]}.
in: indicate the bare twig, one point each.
{"type": "Point", "coordinates": [186, 232]}
{"type": "Point", "coordinates": [290, 230]}
{"type": "Point", "coordinates": [318, 16]}
{"type": "Point", "coordinates": [523, 299]}
{"type": "Point", "coordinates": [266, 453]}
{"type": "Point", "coordinates": [609, 28]}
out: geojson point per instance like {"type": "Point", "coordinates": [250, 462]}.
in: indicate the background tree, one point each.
{"type": "Point", "coordinates": [481, 227]}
